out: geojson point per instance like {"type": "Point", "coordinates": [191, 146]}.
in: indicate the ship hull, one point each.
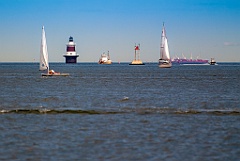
{"type": "Point", "coordinates": [107, 62]}
{"type": "Point", "coordinates": [212, 63]}
{"type": "Point", "coordinates": [189, 62]}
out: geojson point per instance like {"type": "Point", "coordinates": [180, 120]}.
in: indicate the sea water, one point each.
{"type": "Point", "coordinates": [120, 112]}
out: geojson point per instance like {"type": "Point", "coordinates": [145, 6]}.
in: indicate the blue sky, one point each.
{"type": "Point", "coordinates": [203, 28]}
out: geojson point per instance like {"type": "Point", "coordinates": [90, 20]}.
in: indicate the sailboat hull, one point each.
{"type": "Point", "coordinates": [55, 74]}
{"type": "Point", "coordinates": [164, 63]}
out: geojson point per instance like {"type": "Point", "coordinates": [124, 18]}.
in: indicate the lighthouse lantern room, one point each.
{"type": "Point", "coordinates": [71, 55]}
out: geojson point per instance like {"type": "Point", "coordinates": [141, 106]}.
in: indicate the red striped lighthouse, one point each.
{"type": "Point", "coordinates": [71, 55]}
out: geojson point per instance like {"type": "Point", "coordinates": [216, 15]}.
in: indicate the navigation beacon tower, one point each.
{"type": "Point", "coordinates": [71, 55]}
{"type": "Point", "coordinates": [137, 60]}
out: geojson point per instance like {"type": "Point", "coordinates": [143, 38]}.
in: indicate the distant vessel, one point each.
{"type": "Point", "coordinates": [137, 60]}
{"type": "Point", "coordinates": [182, 61]}
{"type": "Point", "coordinates": [212, 62]}
{"type": "Point", "coordinates": [44, 64]}
{"type": "Point", "coordinates": [164, 61]}
{"type": "Point", "coordinates": [105, 59]}
{"type": "Point", "coordinates": [71, 55]}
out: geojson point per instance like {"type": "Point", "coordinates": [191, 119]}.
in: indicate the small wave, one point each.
{"type": "Point", "coordinates": [142, 111]}
{"type": "Point", "coordinates": [211, 112]}
{"type": "Point", "coordinates": [167, 110]}
{"type": "Point", "coordinates": [214, 112]}
{"type": "Point", "coordinates": [222, 112]}
{"type": "Point", "coordinates": [48, 111]}
{"type": "Point", "coordinates": [125, 98]}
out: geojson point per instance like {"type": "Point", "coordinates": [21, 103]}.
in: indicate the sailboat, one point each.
{"type": "Point", "coordinates": [164, 61]}
{"type": "Point", "coordinates": [44, 64]}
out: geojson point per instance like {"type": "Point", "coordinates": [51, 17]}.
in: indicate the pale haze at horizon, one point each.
{"type": "Point", "coordinates": [201, 28]}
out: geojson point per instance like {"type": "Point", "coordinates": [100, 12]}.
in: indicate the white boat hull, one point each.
{"type": "Point", "coordinates": [55, 74]}
{"type": "Point", "coordinates": [165, 64]}
{"type": "Point", "coordinates": [169, 65]}
{"type": "Point", "coordinates": [105, 62]}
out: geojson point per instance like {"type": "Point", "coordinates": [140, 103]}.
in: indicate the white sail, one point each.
{"type": "Point", "coordinates": [164, 46]}
{"type": "Point", "coordinates": [44, 65]}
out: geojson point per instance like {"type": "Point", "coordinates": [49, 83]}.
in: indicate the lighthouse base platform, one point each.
{"type": "Point", "coordinates": [71, 59]}
{"type": "Point", "coordinates": [137, 62]}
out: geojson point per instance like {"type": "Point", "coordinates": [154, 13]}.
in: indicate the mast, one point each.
{"type": "Point", "coordinates": [162, 42]}
{"type": "Point", "coordinates": [108, 55]}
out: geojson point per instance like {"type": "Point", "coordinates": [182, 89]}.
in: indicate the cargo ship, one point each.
{"type": "Point", "coordinates": [186, 61]}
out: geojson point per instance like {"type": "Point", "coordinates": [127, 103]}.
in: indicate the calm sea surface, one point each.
{"type": "Point", "coordinates": [120, 112]}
